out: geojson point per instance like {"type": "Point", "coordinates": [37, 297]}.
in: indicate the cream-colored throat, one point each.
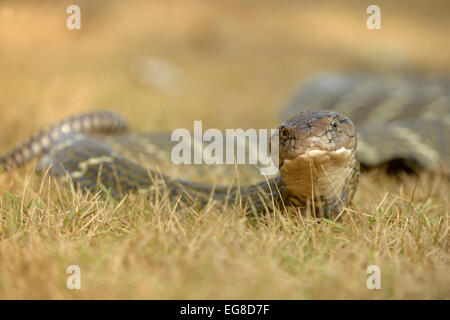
{"type": "Point", "coordinates": [317, 174]}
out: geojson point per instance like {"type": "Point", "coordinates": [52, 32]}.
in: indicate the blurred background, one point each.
{"type": "Point", "coordinates": [163, 64]}
{"type": "Point", "coordinates": [231, 63]}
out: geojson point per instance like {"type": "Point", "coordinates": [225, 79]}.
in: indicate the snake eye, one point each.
{"type": "Point", "coordinates": [334, 124]}
{"type": "Point", "coordinates": [284, 135]}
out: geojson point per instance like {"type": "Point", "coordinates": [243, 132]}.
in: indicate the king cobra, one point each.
{"type": "Point", "coordinates": [318, 166]}
{"type": "Point", "coordinates": [318, 156]}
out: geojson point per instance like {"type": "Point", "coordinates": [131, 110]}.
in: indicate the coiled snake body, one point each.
{"type": "Point", "coordinates": [400, 119]}
{"type": "Point", "coordinates": [318, 161]}
{"type": "Point", "coordinates": [318, 166]}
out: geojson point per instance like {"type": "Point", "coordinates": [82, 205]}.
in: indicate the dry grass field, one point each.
{"type": "Point", "coordinates": [231, 64]}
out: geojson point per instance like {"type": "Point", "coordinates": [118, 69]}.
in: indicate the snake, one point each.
{"type": "Point", "coordinates": [402, 120]}
{"type": "Point", "coordinates": [320, 148]}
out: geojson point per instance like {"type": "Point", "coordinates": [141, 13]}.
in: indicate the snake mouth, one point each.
{"type": "Point", "coordinates": [321, 154]}
{"type": "Point", "coordinates": [321, 148]}
{"type": "Point", "coordinates": [319, 157]}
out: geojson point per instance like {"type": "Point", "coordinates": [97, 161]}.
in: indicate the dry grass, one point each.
{"type": "Point", "coordinates": [138, 249]}
{"type": "Point", "coordinates": [238, 60]}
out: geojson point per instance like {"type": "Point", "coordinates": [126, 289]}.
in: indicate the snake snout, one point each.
{"type": "Point", "coordinates": [316, 133]}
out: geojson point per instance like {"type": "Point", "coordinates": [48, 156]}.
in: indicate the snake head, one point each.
{"type": "Point", "coordinates": [316, 135]}
{"type": "Point", "coordinates": [317, 159]}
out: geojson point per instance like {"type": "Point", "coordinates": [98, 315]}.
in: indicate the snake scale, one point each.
{"type": "Point", "coordinates": [398, 119]}
{"type": "Point", "coordinates": [402, 118]}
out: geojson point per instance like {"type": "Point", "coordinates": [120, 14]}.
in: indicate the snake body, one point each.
{"type": "Point", "coordinates": [397, 119]}
{"type": "Point", "coordinates": [318, 166]}
{"type": "Point", "coordinates": [401, 119]}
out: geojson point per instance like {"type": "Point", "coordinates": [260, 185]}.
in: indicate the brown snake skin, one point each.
{"type": "Point", "coordinates": [398, 118]}
{"type": "Point", "coordinates": [318, 166]}
{"type": "Point", "coordinates": [402, 119]}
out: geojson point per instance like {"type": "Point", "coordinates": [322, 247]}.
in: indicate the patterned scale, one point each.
{"type": "Point", "coordinates": [399, 118]}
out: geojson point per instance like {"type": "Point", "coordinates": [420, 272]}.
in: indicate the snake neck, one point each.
{"type": "Point", "coordinates": [324, 187]}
